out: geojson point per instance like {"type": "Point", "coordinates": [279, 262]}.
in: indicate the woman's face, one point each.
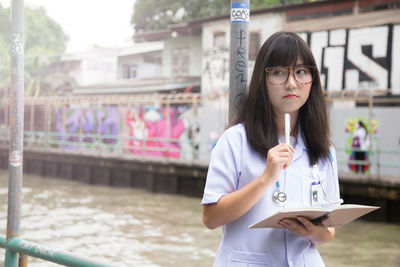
{"type": "Point", "coordinates": [291, 95]}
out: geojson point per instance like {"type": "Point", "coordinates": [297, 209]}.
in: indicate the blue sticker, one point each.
{"type": "Point", "coordinates": [240, 5]}
{"type": "Point", "coordinates": [240, 13]}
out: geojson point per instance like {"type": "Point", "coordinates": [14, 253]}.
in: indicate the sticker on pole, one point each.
{"type": "Point", "coordinates": [240, 12]}
{"type": "Point", "coordinates": [15, 158]}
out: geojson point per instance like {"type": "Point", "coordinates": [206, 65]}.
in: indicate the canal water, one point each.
{"type": "Point", "coordinates": [131, 227]}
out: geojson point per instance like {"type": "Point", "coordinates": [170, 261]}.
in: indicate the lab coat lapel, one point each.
{"type": "Point", "coordinates": [300, 147]}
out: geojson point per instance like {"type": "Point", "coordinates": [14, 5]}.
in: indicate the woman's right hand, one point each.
{"type": "Point", "coordinates": [279, 157]}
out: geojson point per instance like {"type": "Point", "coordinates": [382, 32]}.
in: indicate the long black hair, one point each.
{"type": "Point", "coordinates": [255, 111]}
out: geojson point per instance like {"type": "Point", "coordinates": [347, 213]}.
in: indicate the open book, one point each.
{"type": "Point", "coordinates": [338, 216]}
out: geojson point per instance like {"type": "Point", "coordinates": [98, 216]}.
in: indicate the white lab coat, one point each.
{"type": "Point", "coordinates": [234, 164]}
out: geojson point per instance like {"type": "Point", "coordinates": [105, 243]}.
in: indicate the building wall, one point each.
{"type": "Point", "coordinates": [148, 65]}
{"type": "Point", "coordinates": [215, 64]}
{"type": "Point", "coordinates": [357, 51]}
{"type": "Point", "coordinates": [386, 136]}
{"type": "Point", "coordinates": [97, 70]}
{"type": "Point", "coordinates": [182, 56]}
{"type": "Point", "coordinates": [358, 58]}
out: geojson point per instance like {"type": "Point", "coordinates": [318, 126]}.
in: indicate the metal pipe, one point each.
{"type": "Point", "coordinates": [239, 53]}
{"type": "Point", "coordinates": [16, 127]}
{"type": "Point", "coordinates": [18, 245]}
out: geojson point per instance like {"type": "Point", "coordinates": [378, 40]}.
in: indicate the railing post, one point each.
{"type": "Point", "coordinates": [378, 163]}
{"type": "Point", "coordinates": [16, 127]}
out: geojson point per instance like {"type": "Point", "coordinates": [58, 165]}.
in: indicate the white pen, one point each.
{"type": "Point", "coordinates": [287, 128]}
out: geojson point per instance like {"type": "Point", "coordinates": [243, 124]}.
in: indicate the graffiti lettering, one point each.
{"type": "Point", "coordinates": [241, 52]}
{"type": "Point", "coordinates": [357, 59]}
{"type": "Point", "coordinates": [216, 64]}
{"type": "Point", "coordinates": [238, 99]}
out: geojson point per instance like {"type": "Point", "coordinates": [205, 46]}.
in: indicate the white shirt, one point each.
{"type": "Point", "coordinates": [362, 135]}
{"type": "Point", "coordinates": [233, 165]}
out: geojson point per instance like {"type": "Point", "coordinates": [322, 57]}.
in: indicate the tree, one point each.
{"type": "Point", "coordinates": [44, 43]}
{"type": "Point", "coordinates": [157, 14]}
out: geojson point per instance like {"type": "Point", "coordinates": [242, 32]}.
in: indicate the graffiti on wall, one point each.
{"type": "Point", "coordinates": [216, 67]}
{"type": "Point", "coordinates": [357, 59]}
{"type": "Point", "coordinates": [148, 129]}
{"type": "Point", "coordinates": [88, 122]}
{"type": "Point", "coordinates": [150, 134]}
{"type": "Point", "coordinates": [360, 142]}
{"type": "Point", "coordinates": [354, 59]}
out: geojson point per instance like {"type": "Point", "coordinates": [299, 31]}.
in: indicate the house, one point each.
{"type": "Point", "coordinates": [134, 69]}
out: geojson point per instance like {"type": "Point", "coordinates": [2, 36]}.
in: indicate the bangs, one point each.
{"type": "Point", "coordinates": [287, 49]}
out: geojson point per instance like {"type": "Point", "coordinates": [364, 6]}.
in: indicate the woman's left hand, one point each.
{"type": "Point", "coordinates": [316, 233]}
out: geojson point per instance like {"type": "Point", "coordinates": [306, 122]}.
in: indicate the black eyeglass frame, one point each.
{"type": "Point", "coordinates": [312, 68]}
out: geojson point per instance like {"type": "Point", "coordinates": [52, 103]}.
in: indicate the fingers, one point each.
{"type": "Point", "coordinates": [294, 226]}
{"type": "Point", "coordinates": [278, 157]}
{"type": "Point", "coordinates": [304, 228]}
{"type": "Point", "coordinates": [325, 221]}
{"type": "Point", "coordinates": [307, 224]}
{"type": "Point", "coordinates": [281, 155]}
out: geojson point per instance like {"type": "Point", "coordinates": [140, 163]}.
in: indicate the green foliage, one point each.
{"type": "Point", "coordinates": [44, 42]}
{"type": "Point", "coordinates": [157, 14]}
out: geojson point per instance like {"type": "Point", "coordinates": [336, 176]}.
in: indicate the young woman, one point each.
{"type": "Point", "coordinates": [361, 145]}
{"type": "Point", "coordinates": [249, 165]}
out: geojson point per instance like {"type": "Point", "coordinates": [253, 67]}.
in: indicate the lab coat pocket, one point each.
{"type": "Point", "coordinates": [249, 259]}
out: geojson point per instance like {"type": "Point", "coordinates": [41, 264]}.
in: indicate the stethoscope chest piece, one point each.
{"type": "Point", "coordinates": [279, 197]}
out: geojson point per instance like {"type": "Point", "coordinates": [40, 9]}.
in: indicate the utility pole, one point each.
{"type": "Point", "coordinates": [239, 53]}
{"type": "Point", "coordinates": [16, 97]}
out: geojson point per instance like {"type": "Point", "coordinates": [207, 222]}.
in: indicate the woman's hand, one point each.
{"type": "Point", "coordinates": [317, 234]}
{"type": "Point", "coordinates": [279, 157]}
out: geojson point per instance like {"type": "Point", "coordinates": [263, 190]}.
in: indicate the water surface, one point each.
{"type": "Point", "coordinates": [132, 227]}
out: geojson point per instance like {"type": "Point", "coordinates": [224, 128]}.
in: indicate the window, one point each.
{"type": "Point", "coordinates": [254, 45]}
{"type": "Point", "coordinates": [180, 61]}
{"type": "Point", "coordinates": [129, 71]}
{"type": "Point", "coordinates": [219, 39]}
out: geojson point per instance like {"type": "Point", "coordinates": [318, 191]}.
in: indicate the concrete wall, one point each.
{"type": "Point", "coordinates": [215, 64]}
{"type": "Point", "coordinates": [358, 59]}
{"type": "Point", "coordinates": [386, 138]}
{"type": "Point", "coordinates": [359, 56]}
{"type": "Point", "coordinates": [97, 70]}
{"type": "Point", "coordinates": [144, 69]}
{"type": "Point", "coordinates": [188, 51]}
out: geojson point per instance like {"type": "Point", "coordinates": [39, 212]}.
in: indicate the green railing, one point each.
{"type": "Point", "coordinates": [119, 145]}
{"type": "Point", "coordinates": [374, 159]}
{"type": "Point", "coordinates": [17, 245]}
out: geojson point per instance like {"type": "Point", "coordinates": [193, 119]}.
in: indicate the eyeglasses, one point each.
{"type": "Point", "coordinates": [279, 75]}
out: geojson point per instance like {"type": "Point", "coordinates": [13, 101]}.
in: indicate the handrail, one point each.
{"type": "Point", "coordinates": [123, 143]}
{"type": "Point", "coordinates": [378, 162]}
{"type": "Point", "coordinates": [18, 245]}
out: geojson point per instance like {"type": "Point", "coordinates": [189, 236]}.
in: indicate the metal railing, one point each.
{"type": "Point", "coordinates": [184, 149]}
{"type": "Point", "coordinates": [18, 245]}
{"type": "Point", "coordinates": [374, 162]}
{"type": "Point", "coordinates": [118, 145]}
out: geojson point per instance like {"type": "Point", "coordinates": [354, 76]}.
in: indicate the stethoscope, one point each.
{"type": "Point", "coordinates": [279, 197]}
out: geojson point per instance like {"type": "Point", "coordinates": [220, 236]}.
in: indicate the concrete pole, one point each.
{"type": "Point", "coordinates": [239, 53]}
{"type": "Point", "coordinates": [16, 127]}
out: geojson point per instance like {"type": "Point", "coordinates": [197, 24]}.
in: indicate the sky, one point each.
{"type": "Point", "coordinates": [89, 23]}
